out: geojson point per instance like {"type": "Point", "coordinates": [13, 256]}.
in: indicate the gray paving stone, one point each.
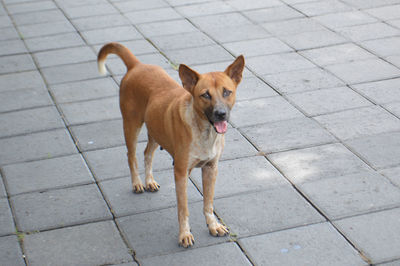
{"type": "Point", "coordinates": [36, 146]}
{"type": "Point", "coordinates": [90, 10]}
{"type": "Point", "coordinates": [98, 22]}
{"type": "Point", "coordinates": [394, 108]}
{"type": "Point", "coordinates": [204, 9]}
{"type": "Point", "coordinates": [312, 39]}
{"type": "Point", "coordinates": [3, 193]}
{"type": "Point", "coordinates": [58, 41]}
{"type": "Point", "coordinates": [381, 151]}
{"type": "Point", "coordinates": [5, 22]}
{"type": "Point", "coordinates": [77, 3]}
{"type": "Point", "coordinates": [393, 174]}
{"type": "Point", "coordinates": [73, 72]}
{"type": "Point", "coordinates": [283, 12]}
{"type": "Point", "coordinates": [292, 26]}
{"type": "Point", "coordinates": [309, 245]}
{"type": "Point", "coordinates": [392, 263]}
{"type": "Point", "coordinates": [222, 254]}
{"type": "Point", "coordinates": [91, 111]}
{"type": "Point", "coordinates": [23, 80]}
{"type": "Point", "coordinates": [46, 174]}
{"type": "Point", "coordinates": [236, 146]}
{"type": "Point", "coordinates": [360, 122]}
{"type": "Point", "coordinates": [263, 110]}
{"type": "Point", "coordinates": [258, 47]}
{"type": "Point", "coordinates": [102, 245]}
{"type": "Point", "coordinates": [113, 162]}
{"type": "Point", "coordinates": [200, 55]}
{"type": "Point", "coordinates": [373, 234]}
{"type": "Point", "coordinates": [321, 162]}
{"type": "Point", "coordinates": [29, 121]}
{"type": "Point", "coordinates": [352, 194]}
{"type": "Point", "coordinates": [237, 33]}
{"type": "Point", "coordinates": [39, 17]}
{"type": "Point", "coordinates": [315, 9]}
{"type": "Point", "coordinates": [84, 90]}
{"type": "Point", "coordinates": [364, 71]}
{"type": "Point", "coordinates": [276, 63]}
{"type": "Point", "coordinates": [345, 19]}
{"type": "Point", "coordinates": [10, 47]}
{"type": "Point", "coordinates": [10, 251]}
{"type": "Point", "coordinates": [115, 34]}
{"type": "Point", "coordinates": [370, 3]}
{"type": "Point", "coordinates": [368, 31]}
{"type": "Point", "coordinates": [253, 88]}
{"type": "Point", "coordinates": [394, 59]}
{"type": "Point", "coordinates": [152, 15]}
{"type": "Point", "coordinates": [8, 33]}
{"type": "Point", "coordinates": [59, 208]}
{"type": "Point", "coordinates": [6, 221]}
{"type": "Point", "coordinates": [127, 6]}
{"type": "Point", "coordinates": [287, 134]}
{"type": "Point", "coordinates": [156, 233]}
{"type": "Point", "coordinates": [219, 66]}
{"type": "Point", "coordinates": [123, 201]}
{"type": "Point", "coordinates": [16, 63]}
{"type": "Point", "coordinates": [243, 175]}
{"type": "Point", "coordinates": [182, 41]}
{"type": "Point", "coordinates": [328, 100]}
{"type": "Point", "coordinates": [64, 56]}
{"type": "Point", "coordinates": [30, 7]}
{"type": "Point", "coordinates": [282, 207]}
{"type": "Point", "coordinates": [184, 2]}
{"type": "Point", "coordinates": [383, 47]}
{"type": "Point", "coordinates": [137, 47]}
{"type": "Point", "coordinates": [44, 29]}
{"type": "Point", "coordinates": [255, 4]}
{"type": "Point", "coordinates": [166, 28]}
{"type": "Point", "coordinates": [386, 12]}
{"type": "Point", "coordinates": [337, 54]}
{"type": "Point", "coordinates": [302, 80]}
{"type": "Point", "coordinates": [395, 23]}
{"type": "Point", "coordinates": [220, 21]}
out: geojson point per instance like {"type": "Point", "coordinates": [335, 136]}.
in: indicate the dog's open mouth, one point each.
{"type": "Point", "coordinates": [221, 126]}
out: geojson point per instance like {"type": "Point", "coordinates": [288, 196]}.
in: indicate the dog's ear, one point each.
{"type": "Point", "coordinates": [235, 70]}
{"type": "Point", "coordinates": [189, 77]}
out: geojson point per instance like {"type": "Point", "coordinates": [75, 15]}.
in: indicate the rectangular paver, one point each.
{"type": "Point", "coordinates": [10, 251]}
{"type": "Point", "coordinates": [24, 98]}
{"type": "Point", "coordinates": [380, 92]}
{"type": "Point", "coordinates": [6, 220]}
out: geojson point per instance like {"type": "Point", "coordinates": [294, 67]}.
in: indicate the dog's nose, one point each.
{"type": "Point", "coordinates": [220, 114]}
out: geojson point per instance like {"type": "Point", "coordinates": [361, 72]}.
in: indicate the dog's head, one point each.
{"type": "Point", "coordinates": [213, 93]}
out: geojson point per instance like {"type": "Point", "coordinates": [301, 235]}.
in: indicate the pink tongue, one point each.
{"type": "Point", "coordinates": [221, 126]}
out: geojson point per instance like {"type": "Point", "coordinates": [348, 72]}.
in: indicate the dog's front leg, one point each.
{"type": "Point", "coordinates": [209, 176]}
{"type": "Point", "coordinates": [186, 238]}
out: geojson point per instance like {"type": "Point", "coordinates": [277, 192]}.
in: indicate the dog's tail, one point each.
{"type": "Point", "coordinates": [115, 48]}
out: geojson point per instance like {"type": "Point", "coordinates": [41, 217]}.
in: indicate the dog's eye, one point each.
{"type": "Point", "coordinates": [226, 93]}
{"type": "Point", "coordinates": [206, 95]}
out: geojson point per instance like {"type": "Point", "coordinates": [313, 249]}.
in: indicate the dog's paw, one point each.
{"type": "Point", "coordinates": [138, 188]}
{"type": "Point", "coordinates": [186, 239]}
{"type": "Point", "coordinates": [217, 229]}
{"type": "Point", "coordinates": [152, 186]}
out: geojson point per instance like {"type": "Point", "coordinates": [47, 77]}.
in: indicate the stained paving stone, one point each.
{"type": "Point", "coordinates": [10, 251]}
{"type": "Point", "coordinates": [252, 112]}
{"type": "Point", "coordinates": [287, 134]}
{"type": "Point", "coordinates": [258, 47]}
{"type": "Point", "coordinates": [36, 146]}
{"type": "Point", "coordinates": [73, 72]}
{"type": "Point", "coordinates": [123, 201]}
{"type": "Point", "coordinates": [10, 47]}
{"type": "Point", "coordinates": [199, 55]}
{"type": "Point", "coordinates": [320, 162]}
{"type": "Point", "coordinates": [58, 41]}
{"type": "Point", "coordinates": [29, 121]}
{"type": "Point", "coordinates": [188, 40]}
{"type": "Point", "coordinates": [91, 111]}
{"type": "Point", "coordinates": [394, 108]}
{"type": "Point", "coordinates": [353, 194]}
{"type": "Point", "coordinates": [283, 12]}
{"type": "Point", "coordinates": [253, 88]}
{"type": "Point", "coordinates": [152, 15]}
{"type": "Point", "coordinates": [373, 234]}
{"type": "Point", "coordinates": [103, 36]}
{"type": "Point", "coordinates": [328, 100]}
{"type": "Point", "coordinates": [282, 208]}
{"type": "Point", "coordinates": [381, 151]}
{"type": "Point", "coordinates": [337, 54]}
{"type": "Point", "coordinates": [359, 122]}
{"type": "Point", "coordinates": [102, 245]}
{"type": "Point", "coordinates": [6, 221]}
{"type": "Point", "coordinates": [368, 31]}
{"type": "Point", "coordinates": [166, 28]}
{"type": "Point", "coordinates": [64, 56]}
{"type": "Point", "coordinates": [98, 22]}
{"type": "Point", "coordinates": [23, 80]}
{"type": "Point", "coordinates": [383, 47]}
{"type": "Point", "coordinates": [380, 92]}
{"type": "Point", "coordinates": [344, 19]}
{"type": "Point", "coordinates": [393, 174]}
{"type": "Point", "coordinates": [302, 80]}
{"type": "Point", "coordinates": [44, 29]}
{"type": "Point", "coordinates": [84, 90]}
{"type": "Point", "coordinates": [228, 254]}
{"type": "Point", "coordinates": [46, 174]}
{"type": "Point", "coordinates": [24, 98]}
{"type": "Point", "coordinates": [165, 231]}
{"type": "Point", "coordinates": [238, 33]}
{"type": "Point", "coordinates": [243, 174]}
{"type": "Point", "coordinates": [311, 245]}
{"type": "Point", "coordinates": [16, 63]}
{"type": "Point", "coordinates": [59, 208]}
{"type": "Point", "coordinates": [292, 26]}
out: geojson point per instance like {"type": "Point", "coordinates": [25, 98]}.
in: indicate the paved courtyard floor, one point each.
{"type": "Point", "coordinates": [311, 170]}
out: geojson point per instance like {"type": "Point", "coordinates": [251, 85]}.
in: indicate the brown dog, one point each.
{"type": "Point", "coordinates": [188, 122]}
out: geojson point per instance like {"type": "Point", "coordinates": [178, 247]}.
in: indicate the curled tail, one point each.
{"type": "Point", "coordinates": [115, 48]}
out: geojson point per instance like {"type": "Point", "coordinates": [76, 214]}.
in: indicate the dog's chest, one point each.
{"type": "Point", "coordinates": [205, 147]}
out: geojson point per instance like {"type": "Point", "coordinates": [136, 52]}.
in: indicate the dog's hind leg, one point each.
{"type": "Point", "coordinates": [151, 184]}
